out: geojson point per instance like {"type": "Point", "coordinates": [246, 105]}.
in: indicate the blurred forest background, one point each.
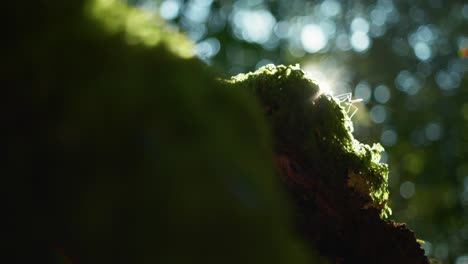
{"type": "Point", "coordinates": [407, 60]}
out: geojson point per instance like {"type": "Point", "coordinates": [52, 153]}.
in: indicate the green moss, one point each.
{"type": "Point", "coordinates": [318, 127]}
{"type": "Point", "coordinates": [138, 26]}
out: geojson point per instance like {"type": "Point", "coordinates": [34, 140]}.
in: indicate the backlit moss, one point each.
{"type": "Point", "coordinates": [318, 127]}
{"type": "Point", "coordinates": [139, 27]}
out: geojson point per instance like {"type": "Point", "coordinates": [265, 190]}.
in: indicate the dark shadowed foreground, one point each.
{"type": "Point", "coordinates": [121, 148]}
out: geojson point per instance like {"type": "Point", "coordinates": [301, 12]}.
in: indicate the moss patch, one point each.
{"type": "Point", "coordinates": [336, 184]}
{"type": "Point", "coordinates": [138, 26]}
{"type": "Point", "coordinates": [316, 126]}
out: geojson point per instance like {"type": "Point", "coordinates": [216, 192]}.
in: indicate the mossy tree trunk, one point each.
{"type": "Point", "coordinates": [121, 148]}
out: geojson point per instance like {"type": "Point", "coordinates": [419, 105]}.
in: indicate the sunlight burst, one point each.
{"type": "Point", "coordinates": [325, 79]}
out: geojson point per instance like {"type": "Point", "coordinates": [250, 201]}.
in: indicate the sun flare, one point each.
{"type": "Point", "coordinates": [327, 78]}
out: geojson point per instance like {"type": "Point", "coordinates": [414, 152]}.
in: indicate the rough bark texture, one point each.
{"type": "Point", "coordinates": [331, 221]}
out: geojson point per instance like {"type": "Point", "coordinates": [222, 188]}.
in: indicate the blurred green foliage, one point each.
{"type": "Point", "coordinates": [404, 58]}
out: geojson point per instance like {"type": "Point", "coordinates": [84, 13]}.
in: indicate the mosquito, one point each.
{"type": "Point", "coordinates": [346, 101]}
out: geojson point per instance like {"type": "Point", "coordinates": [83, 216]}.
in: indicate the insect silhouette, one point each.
{"type": "Point", "coordinates": [347, 103]}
